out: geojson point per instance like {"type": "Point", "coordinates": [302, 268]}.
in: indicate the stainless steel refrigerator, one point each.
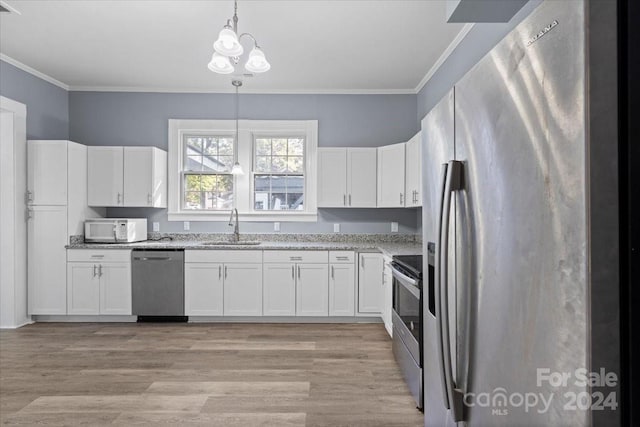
{"type": "Point", "coordinates": [505, 196]}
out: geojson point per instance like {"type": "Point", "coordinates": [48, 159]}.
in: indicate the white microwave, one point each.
{"type": "Point", "coordinates": [115, 230]}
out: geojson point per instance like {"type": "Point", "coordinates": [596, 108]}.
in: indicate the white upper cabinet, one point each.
{"type": "Point", "coordinates": [332, 177]}
{"type": "Point", "coordinates": [145, 177]}
{"type": "Point", "coordinates": [361, 177]}
{"type": "Point", "coordinates": [127, 176]}
{"type": "Point", "coordinates": [413, 172]}
{"type": "Point", "coordinates": [391, 176]}
{"type": "Point", "coordinates": [47, 173]}
{"type": "Point", "coordinates": [347, 177]}
{"type": "Point", "coordinates": [105, 176]}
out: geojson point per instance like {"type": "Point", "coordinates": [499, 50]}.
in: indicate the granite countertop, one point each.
{"type": "Point", "coordinates": [388, 248]}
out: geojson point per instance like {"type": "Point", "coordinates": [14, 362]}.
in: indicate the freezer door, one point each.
{"type": "Point", "coordinates": [521, 223]}
{"type": "Point", "coordinates": [437, 150]}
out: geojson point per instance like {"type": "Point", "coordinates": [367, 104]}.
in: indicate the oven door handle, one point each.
{"type": "Point", "coordinates": [407, 282]}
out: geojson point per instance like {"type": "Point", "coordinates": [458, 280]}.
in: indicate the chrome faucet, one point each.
{"type": "Point", "coordinates": [236, 229]}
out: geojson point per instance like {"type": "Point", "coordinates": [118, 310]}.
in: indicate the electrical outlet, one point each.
{"type": "Point", "coordinates": [187, 226]}
{"type": "Point", "coordinates": [276, 226]}
{"type": "Point", "coordinates": [156, 226]}
{"type": "Point", "coordinates": [394, 227]}
{"type": "Point", "coordinates": [336, 228]}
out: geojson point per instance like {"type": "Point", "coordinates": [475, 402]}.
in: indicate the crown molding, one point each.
{"type": "Point", "coordinates": [33, 71]}
{"type": "Point", "coordinates": [447, 52]}
{"type": "Point", "coordinates": [245, 91]}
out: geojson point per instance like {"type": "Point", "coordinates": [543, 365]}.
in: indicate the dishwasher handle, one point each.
{"type": "Point", "coordinates": [152, 258]}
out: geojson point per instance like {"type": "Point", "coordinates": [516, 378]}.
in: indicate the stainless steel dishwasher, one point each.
{"type": "Point", "coordinates": [157, 281]}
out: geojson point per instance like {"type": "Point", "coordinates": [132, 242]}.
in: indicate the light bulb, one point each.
{"type": "Point", "coordinates": [227, 43]}
{"type": "Point", "coordinates": [220, 64]}
{"type": "Point", "coordinates": [257, 62]}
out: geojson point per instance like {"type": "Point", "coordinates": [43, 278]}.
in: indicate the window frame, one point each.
{"type": "Point", "coordinates": [243, 184]}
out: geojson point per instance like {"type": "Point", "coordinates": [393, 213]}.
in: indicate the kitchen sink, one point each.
{"type": "Point", "coordinates": [242, 243]}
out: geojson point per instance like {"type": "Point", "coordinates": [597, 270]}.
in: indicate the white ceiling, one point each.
{"type": "Point", "coordinates": [313, 46]}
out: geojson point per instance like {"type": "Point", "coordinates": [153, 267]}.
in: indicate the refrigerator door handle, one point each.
{"type": "Point", "coordinates": [453, 182]}
{"type": "Point", "coordinates": [437, 287]}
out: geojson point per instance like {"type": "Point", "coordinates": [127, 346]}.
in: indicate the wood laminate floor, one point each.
{"type": "Point", "coordinates": [202, 374]}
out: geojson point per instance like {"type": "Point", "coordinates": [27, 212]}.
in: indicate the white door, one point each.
{"type": "Point", "coordinates": [312, 290]}
{"type": "Point", "coordinates": [369, 283]}
{"type": "Point", "coordinates": [115, 288]}
{"type": "Point", "coordinates": [332, 177]}
{"type": "Point", "coordinates": [242, 289]}
{"type": "Point", "coordinates": [341, 290]}
{"type": "Point", "coordinates": [203, 289]}
{"type": "Point", "coordinates": [138, 176]}
{"type": "Point", "coordinates": [47, 260]}
{"type": "Point", "coordinates": [362, 177]}
{"type": "Point", "coordinates": [105, 176]}
{"type": "Point", "coordinates": [391, 176]}
{"type": "Point", "coordinates": [47, 172]}
{"type": "Point", "coordinates": [413, 172]}
{"type": "Point", "coordinates": [279, 290]}
{"type": "Point", "coordinates": [83, 288]}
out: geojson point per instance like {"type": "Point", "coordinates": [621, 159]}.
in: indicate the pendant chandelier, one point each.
{"type": "Point", "coordinates": [228, 50]}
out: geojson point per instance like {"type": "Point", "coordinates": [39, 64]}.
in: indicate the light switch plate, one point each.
{"type": "Point", "coordinates": [187, 226]}
{"type": "Point", "coordinates": [394, 227]}
{"type": "Point", "coordinates": [156, 226]}
{"type": "Point", "coordinates": [276, 226]}
{"type": "Point", "coordinates": [336, 228]}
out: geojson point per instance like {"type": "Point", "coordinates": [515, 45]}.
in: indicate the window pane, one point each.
{"type": "Point", "coordinates": [210, 146]}
{"type": "Point", "coordinates": [279, 164]}
{"type": "Point", "coordinates": [262, 186]}
{"type": "Point", "coordinates": [263, 146]}
{"type": "Point", "coordinates": [296, 146]}
{"type": "Point", "coordinates": [193, 163]}
{"type": "Point", "coordinates": [194, 144]}
{"type": "Point", "coordinates": [225, 163]}
{"type": "Point", "coordinates": [263, 164]}
{"type": "Point", "coordinates": [225, 146]}
{"type": "Point", "coordinates": [192, 182]}
{"type": "Point", "coordinates": [295, 164]}
{"type": "Point", "coordinates": [192, 200]}
{"type": "Point", "coordinates": [279, 146]}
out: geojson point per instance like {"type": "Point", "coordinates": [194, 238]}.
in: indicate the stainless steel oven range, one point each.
{"type": "Point", "coordinates": [407, 319]}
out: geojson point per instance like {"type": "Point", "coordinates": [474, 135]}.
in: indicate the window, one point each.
{"type": "Point", "coordinates": [207, 181]}
{"type": "Point", "coordinates": [278, 157]}
{"type": "Point", "coordinates": [278, 174]}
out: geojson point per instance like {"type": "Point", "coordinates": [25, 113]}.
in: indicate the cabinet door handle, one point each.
{"type": "Point", "coordinates": [362, 261]}
{"type": "Point", "coordinates": [332, 272]}
{"type": "Point", "coordinates": [94, 270]}
{"type": "Point", "coordinates": [28, 197]}
{"type": "Point", "coordinates": [342, 258]}
{"type": "Point", "coordinates": [225, 271]}
{"type": "Point", "coordinates": [293, 271]}
{"type": "Point", "coordinates": [119, 197]}
{"type": "Point", "coordinates": [149, 198]}
{"type": "Point", "coordinates": [28, 214]}
{"type": "Point", "coordinates": [344, 200]}
{"type": "Point", "coordinates": [219, 272]}
{"type": "Point", "coordinates": [401, 198]}
{"type": "Point", "coordinates": [295, 258]}
{"type": "Point", "coordinates": [298, 272]}
{"type": "Point", "coordinates": [349, 199]}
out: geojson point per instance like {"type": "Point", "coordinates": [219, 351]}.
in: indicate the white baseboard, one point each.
{"type": "Point", "coordinates": [282, 319]}
{"type": "Point", "coordinates": [84, 319]}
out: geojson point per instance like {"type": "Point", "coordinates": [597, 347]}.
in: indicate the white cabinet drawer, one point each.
{"type": "Point", "coordinates": [296, 256]}
{"type": "Point", "coordinates": [223, 256]}
{"type": "Point", "coordinates": [341, 257]}
{"type": "Point", "coordinates": [99, 255]}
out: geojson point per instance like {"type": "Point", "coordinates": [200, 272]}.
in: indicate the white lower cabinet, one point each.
{"type": "Point", "coordinates": [312, 290]}
{"type": "Point", "coordinates": [98, 282]}
{"type": "Point", "coordinates": [279, 290]}
{"type": "Point", "coordinates": [370, 283]}
{"type": "Point", "coordinates": [342, 281]}
{"type": "Point", "coordinates": [203, 289]}
{"type": "Point", "coordinates": [387, 294]}
{"type": "Point", "coordinates": [242, 289]}
{"type": "Point", "coordinates": [222, 283]}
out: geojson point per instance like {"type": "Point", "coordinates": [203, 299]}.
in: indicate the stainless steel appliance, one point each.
{"type": "Point", "coordinates": [157, 281]}
{"type": "Point", "coordinates": [115, 230]}
{"type": "Point", "coordinates": [407, 320]}
{"type": "Point", "coordinates": [504, 169]}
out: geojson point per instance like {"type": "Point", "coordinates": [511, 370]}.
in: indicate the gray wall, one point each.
{"type": "Point", "coordinates": [47, 104]}
{"type": "Point", "coordinates": [109, 118]}
{"type": "Point", "coordinates": [480, 40]}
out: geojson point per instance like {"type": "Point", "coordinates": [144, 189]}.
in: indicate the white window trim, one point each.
{"type": "Point", "coordinates": [243, 184]}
